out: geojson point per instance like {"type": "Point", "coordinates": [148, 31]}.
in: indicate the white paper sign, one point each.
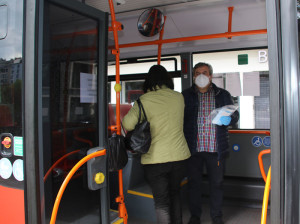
{"type": "Point", "coordinates": [251, 85]}
{"type": "Point", "coordinates": [233, 83]}
{"type": "Point", "coordinates": [218, 81]}
{"type": "Point", "coordinates": [88, 91]}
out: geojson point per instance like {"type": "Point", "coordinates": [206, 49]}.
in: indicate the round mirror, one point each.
{"type": "Point", "coordinates": [150, 22]}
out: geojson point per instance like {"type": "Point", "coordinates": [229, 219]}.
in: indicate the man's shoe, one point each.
{"type": "Point", "coordinates": [218, 220]}
{"type": "Point", "coordinates": [194, 220]}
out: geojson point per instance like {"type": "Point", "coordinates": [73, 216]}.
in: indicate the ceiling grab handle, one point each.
{"type": "Point", "coordinates": [120, 199]}
{"type": "Point", "coordinates": [161, 34]}
{"type": "Point", "coordinates": [67, 180]}
{"type": "Point", "coordinates": [266, 198]}
{"type": "Point", "coordinates": [230, 10]}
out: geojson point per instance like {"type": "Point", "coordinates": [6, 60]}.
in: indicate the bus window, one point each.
{"type": "Point", "coordinates": [133, 73]}
{"type": "Point", "coordinates": [245, 74]}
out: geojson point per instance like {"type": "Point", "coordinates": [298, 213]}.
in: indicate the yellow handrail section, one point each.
{"type": "Point", "coordinates": [68, 178]}
{"type": "Point", "coordinates": [266, 198]}
{"type": "Point", "coordinates": [267, 179]}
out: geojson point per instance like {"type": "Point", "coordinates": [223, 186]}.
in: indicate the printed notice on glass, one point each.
{"type": "Point", "coordinates": [251, 86]}
{"type": "Point", "coordinates": [233, 83]}
{"type": "Point", "coordinates": [88, 90]}
{"type": "Point", "coordinates": [218, 81]}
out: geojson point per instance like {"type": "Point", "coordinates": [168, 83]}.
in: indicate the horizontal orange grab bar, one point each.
{"type": "Point", "coordinates": [78, 33]}
{"type": "Point", "coordinates": [87, 32]}
{"type": "Point", "coordinates": [249, 132]}
{"type": "Point", "coordinates": [113, 127]}
{"type": "Point", "coordinates": [193, 38]}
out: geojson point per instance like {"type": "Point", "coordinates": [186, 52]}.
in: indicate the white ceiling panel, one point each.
{"type": "Point", "coordinates": [186, 18]}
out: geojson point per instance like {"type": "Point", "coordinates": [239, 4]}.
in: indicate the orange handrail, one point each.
{"type": "Point", "coordinates": [260, 132]}
{"type": "Point", "coordinates": [68, 178]}
{"type": "Point", "coordinates": [120, 199]}
{"type": "Point", "coordinates": [261, 165]}
{"type": "Point", "coordinates": [112, 128]}
{"type": "Point", "coordinates": [193, 38]}
{"type": "Point", "coordinates": [266, 198]}
{"type": "Point", "coordinates": [57, 162]}
{"type": "Point", "coordinates": [161, 34]}
{"type": "Point", "coordinates": [230, 10]}
{"type": "Point", "coordinates": [76, 136]}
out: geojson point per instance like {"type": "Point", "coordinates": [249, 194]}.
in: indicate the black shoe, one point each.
{"type": "Point", "coordinates": [194, 220]}
{"type": "Point", "coordinates": [218, 220]}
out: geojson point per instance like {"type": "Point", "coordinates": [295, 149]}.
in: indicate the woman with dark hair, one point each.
{"type": "Point", "coordinates": [165, 163]}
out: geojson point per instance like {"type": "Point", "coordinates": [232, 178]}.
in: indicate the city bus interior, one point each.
{"type": "Point", "coordinates": [73, 116]}
{"type": "Point", "coordinates": [85, 61]}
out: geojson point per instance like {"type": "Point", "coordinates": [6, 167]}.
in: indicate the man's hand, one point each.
{"type": "Point", "coordinates": [225, 120]}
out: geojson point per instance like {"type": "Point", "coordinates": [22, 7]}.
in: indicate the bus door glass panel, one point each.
{"type": "Point", "coordinates": [11, 82]}
{"type": "Point", "coordinates": [69, 109]}
{"type": "Point", "coordinates": [11, 129]}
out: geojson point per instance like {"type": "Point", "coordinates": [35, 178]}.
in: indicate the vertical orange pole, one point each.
{"type": "Point", "coordinates": [161, 33]}
{"type": "Point", "coordinates": [230, 9]}
{"type": "Point", "coordinates": [116, 52]}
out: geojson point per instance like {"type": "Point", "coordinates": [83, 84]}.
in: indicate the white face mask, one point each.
{"type": "Point", "coordinates": [202, 81]}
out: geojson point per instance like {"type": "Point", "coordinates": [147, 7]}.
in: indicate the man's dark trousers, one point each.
{"type": "Point", "coordinates": [215, 171]}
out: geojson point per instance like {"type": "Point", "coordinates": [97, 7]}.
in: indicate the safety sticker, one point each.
{"type": "Point", "coordinates": [267, 141]}
{"type": "Point", "coordinates": [18, 170]}
{"type": "Point", "coordinates": [18, 146]}
{"type": "Point", "coordinates": [5, 168]}
{"type": "Point", "coordinates": [257, 141]}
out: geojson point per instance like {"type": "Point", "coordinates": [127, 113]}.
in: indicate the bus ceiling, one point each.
{"type": "Point", "coordinates": [212, 25]}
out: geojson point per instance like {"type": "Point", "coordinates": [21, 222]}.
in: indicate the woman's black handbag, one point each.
{"type": "Point", "coordinates": [117, 154]}
{"type": "Point", "coordinates": [139, 139]}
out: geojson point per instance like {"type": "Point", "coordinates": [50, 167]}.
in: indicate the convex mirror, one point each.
{"type": "Point", "coordinates": [150, 22]}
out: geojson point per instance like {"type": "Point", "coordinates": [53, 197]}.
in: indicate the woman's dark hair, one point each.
{"type": "Point", "coordinates": [157, 76]}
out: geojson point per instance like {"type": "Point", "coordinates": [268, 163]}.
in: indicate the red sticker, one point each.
{"type": "Point", "coordinates": [7, 142]}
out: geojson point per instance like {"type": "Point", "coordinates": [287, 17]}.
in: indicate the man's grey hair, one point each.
{"type": "Point", "coordinates": [201, 64]}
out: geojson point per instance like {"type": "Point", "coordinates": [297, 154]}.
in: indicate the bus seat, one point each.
{"type": "Point", "coordinates": [124, 108]}
{"type": "Point", "coordinates": [133, 95]}
{"type": "Point", "coordinates": [5, 116]}
{"type": "Point", "coordinates": [111, 115]}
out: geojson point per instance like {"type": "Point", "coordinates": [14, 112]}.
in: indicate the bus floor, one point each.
{"type": "Point", "coordinates": [234, 212]}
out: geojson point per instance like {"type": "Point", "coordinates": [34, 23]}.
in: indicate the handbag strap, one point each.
{"type": "Point", "coordinates": [141, 108]}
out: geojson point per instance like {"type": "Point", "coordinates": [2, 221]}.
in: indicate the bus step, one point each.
{"type": "Point", "coordinates": [114, 217]}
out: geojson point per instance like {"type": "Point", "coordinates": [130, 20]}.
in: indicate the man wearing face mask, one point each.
{"type": "Point", "coordinates": [207, 142]}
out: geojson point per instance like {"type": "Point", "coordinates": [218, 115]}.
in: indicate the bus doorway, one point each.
{"type": "Point", "coordinates": [73, 107]}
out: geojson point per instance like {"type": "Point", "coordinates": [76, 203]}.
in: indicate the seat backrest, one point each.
{"type": "Point", "coordinates": [111, 115]}
{"type": "Point", "coordinates": [124, 108]}
{"type": "Point", "coordinates": [133, 95]}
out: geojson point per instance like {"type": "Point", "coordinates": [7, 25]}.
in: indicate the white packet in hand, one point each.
{"type": "Point", "coordinates": [216, 114]}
